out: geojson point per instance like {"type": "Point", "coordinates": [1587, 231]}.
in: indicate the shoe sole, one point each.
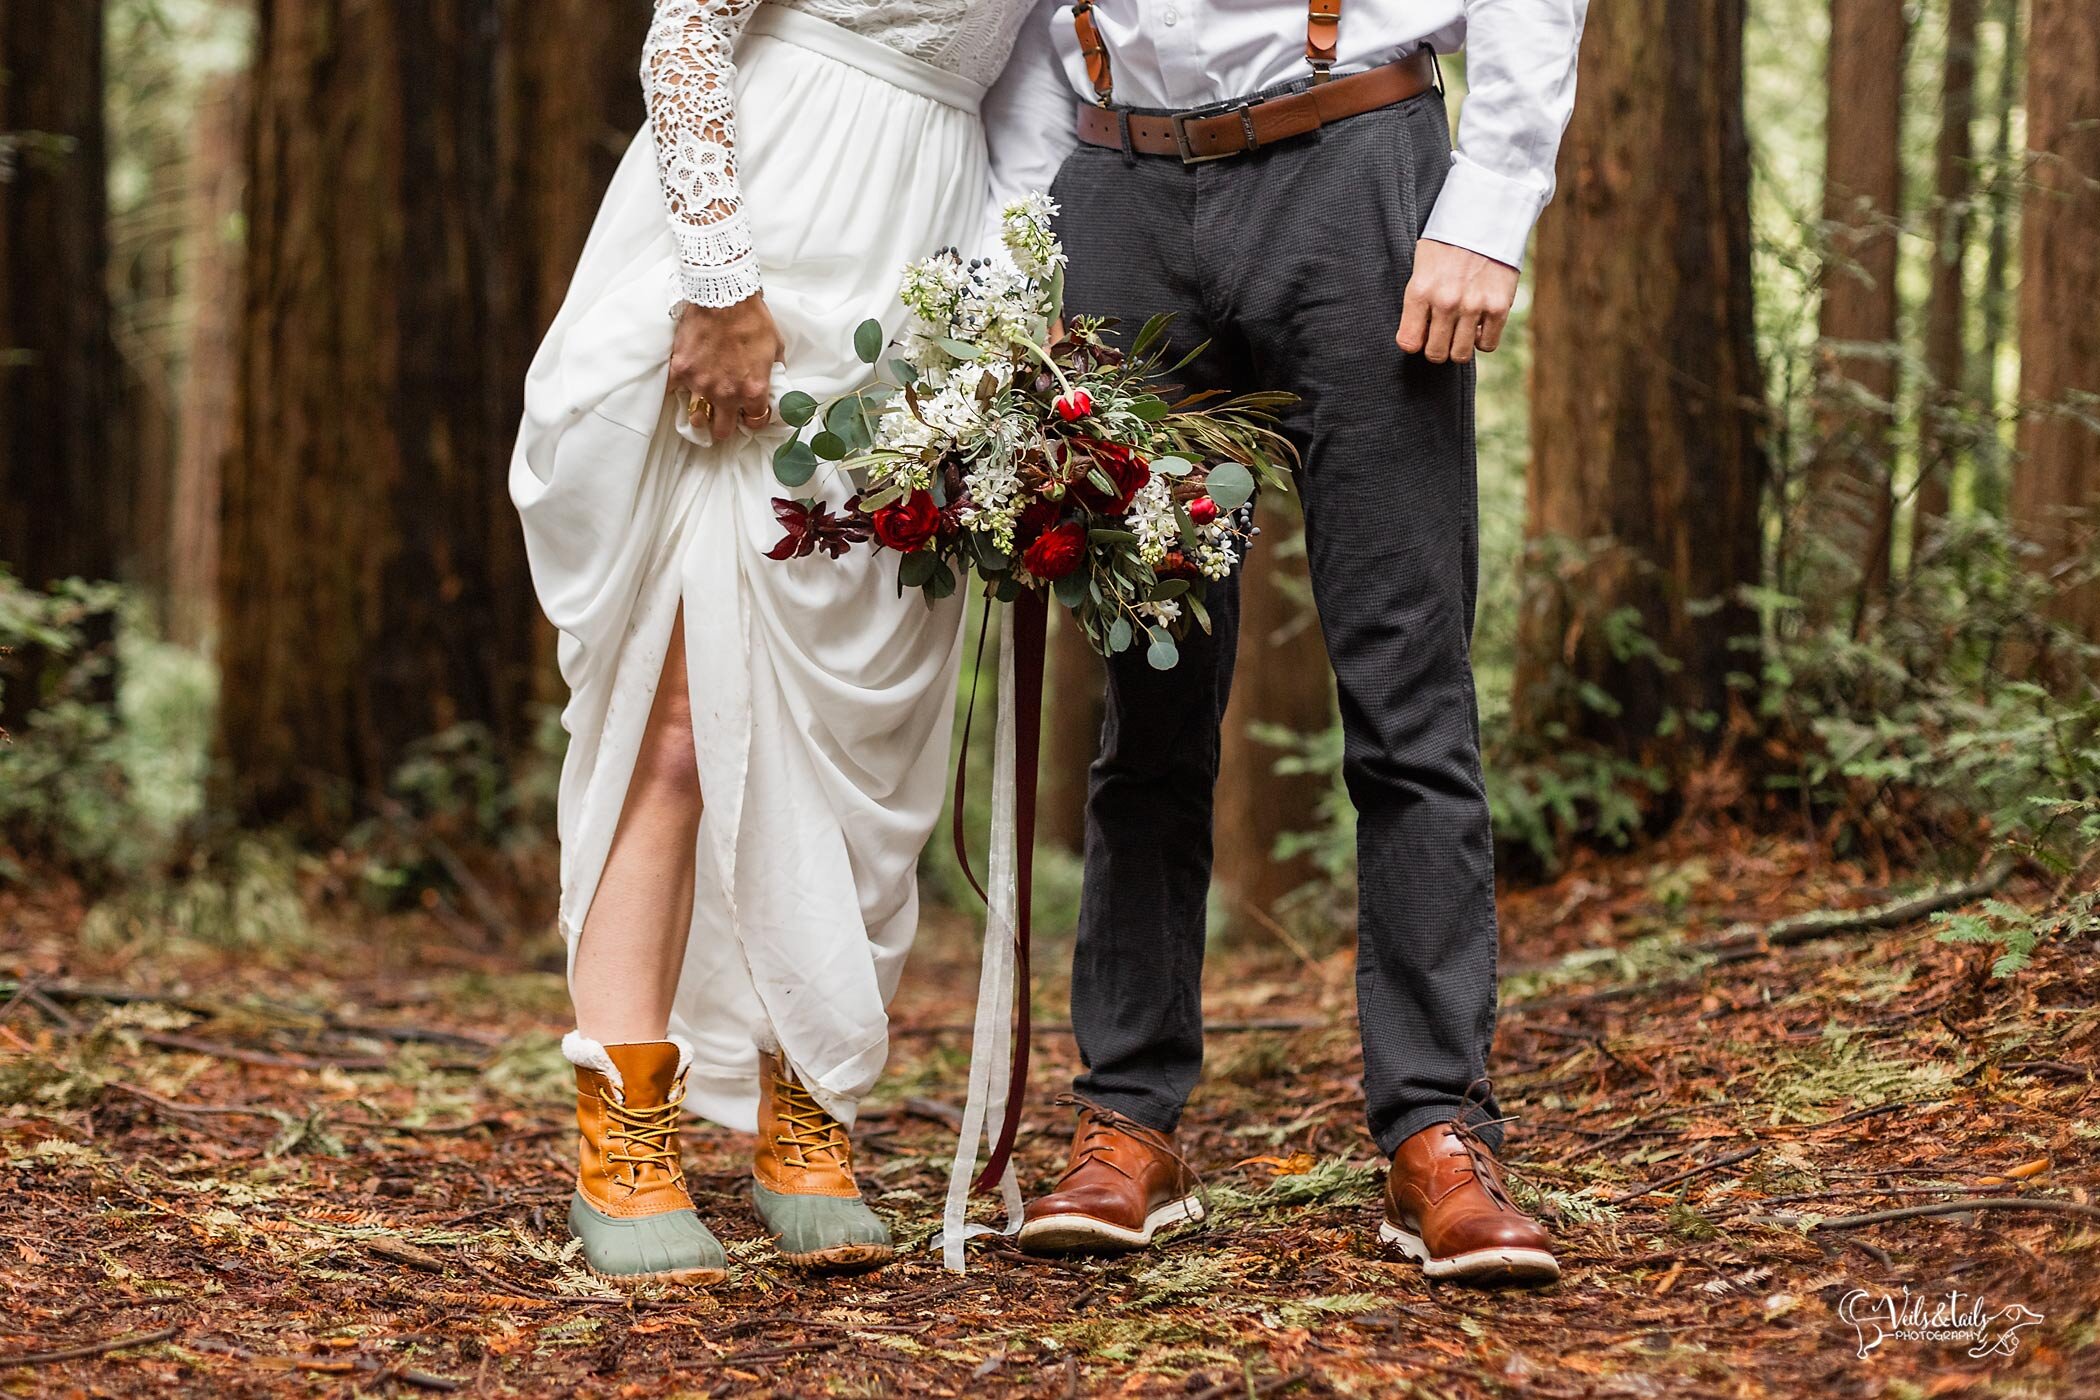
{"type": "Point", "coordinates": [843, 1259]}
{"type": "Point", "coordinates": [1499, 1267]}
{"type": "Point", "coordinates": [698, 1278]}
{"type": "Point", "coordinates": [1075, 1233]}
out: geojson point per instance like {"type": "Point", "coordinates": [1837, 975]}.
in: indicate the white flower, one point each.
{"type": "Point", "coordinates": [1164, 614]}
{"type": "Point", "coordinates": [1026, 232]}
{"type": "Point", "coordinates": [1151, 518]}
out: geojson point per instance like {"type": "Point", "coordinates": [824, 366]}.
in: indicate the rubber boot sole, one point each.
{"type": "Point", "coordinates": [1073, 1233]}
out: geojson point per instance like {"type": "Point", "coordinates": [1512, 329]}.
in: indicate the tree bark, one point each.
{"type": "Point", "coordinates": [2004, 214]}
{"type": "Point", "coordinates": [63, 503]}
{"type": "Point", "coordinates": [1072, 716]}
{"type": "Point", "coordinates": [1648, 460]}
{"type": "Point", "coordinates": [1283, 680]}
{"type": "Point", "coordinates": [61, 507]}
{"type": "Point", "coordinates": [1851, 493]}
{"type": "Point", "coordinates": [217, 182]}
{"type": "Point", "coordinates": [373, 581]}
{"type": "Point", "coordinates": [1941, 419]}
{"type": "Point", "coordinates": [2056, 486]}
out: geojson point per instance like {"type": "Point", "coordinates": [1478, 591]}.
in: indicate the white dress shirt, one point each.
{"type": "Point", "coordinates": [1181, 54]}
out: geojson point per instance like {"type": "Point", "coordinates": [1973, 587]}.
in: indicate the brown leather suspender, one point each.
{"type": "Point", "coordinates": [1094, 51]}
{"type": "Point", "coordinates": [1323, 34]}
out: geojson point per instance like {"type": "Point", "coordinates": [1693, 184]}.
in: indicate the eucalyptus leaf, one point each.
{"type": "Point", "coordinates": [794, 464]}
{"type": "Point", "coordinates": [919, 567]}
{"type": "Point", "coordinates": [960, 349]}
{"type": "Point", "coordinates": [1149, 409]}
{"type": "Point", "coordinates": [867, 341]}
{"type": "Point", "coordinates": [1230, 485]}
{"type": "Point", "coordinates": [797, 408]}
{"type": "Point", "coordinates": [1071, 589]}
{"type": "Point", "coordinates": [1107, 536]}
{"type": "Point", "coordinates": [942, 582]}
{"type": "Point", "coordinates": [1172, 466]}
{"type": "Point", "coordinates": [904, 371]}
{"type": "Point", "coordinates": [828, 445]}
{"type": "Point", "coordinates": [1162, 655]}
{"type": "Point", "coordinates": [1120, 635]}
{"type": "Point", "coordinates": [1169, 588]}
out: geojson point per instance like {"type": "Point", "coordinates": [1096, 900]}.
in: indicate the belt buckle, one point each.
{"type": "Point", "coordinates": [1179, 121]}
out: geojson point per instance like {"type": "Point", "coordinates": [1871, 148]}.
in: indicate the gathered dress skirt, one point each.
{"type": "Point", "coordinates": [821, 698]}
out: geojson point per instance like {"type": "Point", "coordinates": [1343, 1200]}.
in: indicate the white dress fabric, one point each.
{"type": "Point", "coordinates": [821, 698]}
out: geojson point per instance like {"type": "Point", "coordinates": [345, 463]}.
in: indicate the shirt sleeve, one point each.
{"type": "Point", "coordinates": [1520, 75]}
{"type": "Point", "coordinates": [689, 81]}
{"type": "Point", "coordinates": [1030, 115]}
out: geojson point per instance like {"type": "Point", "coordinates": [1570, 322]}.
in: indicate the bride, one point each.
{"type": "Point", "coordinates": [757, 749]}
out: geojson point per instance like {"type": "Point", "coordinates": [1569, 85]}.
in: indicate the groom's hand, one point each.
{"type": "Point", "coordinates": [1457, 302]}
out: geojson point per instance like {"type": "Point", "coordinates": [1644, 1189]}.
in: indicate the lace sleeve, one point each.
{"type": "Point", "coordinates": [689, 77]}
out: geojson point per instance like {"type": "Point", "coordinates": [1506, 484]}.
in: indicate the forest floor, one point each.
{"type": "Point", "coordinates": [341, 1167]}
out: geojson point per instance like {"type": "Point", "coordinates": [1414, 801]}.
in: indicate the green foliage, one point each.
{"type": "Point", "coordinates": [108, 768]}
{"type": "Point", "coordinates": [2017, 931]}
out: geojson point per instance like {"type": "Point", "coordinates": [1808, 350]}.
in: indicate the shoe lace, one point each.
{"type": "Point", "coordinates": [809, 1136]}
{"type": "Point", "coordinates": [650, 1135]}
{"type": "Point", "coordinates": [1486, 1167]}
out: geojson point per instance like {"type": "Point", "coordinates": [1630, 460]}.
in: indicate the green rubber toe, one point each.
{"type": "Point", "coordinates": [673, 1247]}
{"type": "Point", "coordinates": [824, 1232]}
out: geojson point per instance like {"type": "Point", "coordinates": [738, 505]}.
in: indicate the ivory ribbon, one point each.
{"type": "Point", "coordinates": [992, 1044]}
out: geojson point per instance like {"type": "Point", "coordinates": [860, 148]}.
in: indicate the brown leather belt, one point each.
{"type": "Point", "coordinates": [1214, 133]}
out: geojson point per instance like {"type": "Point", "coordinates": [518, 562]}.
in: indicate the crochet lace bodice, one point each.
{"type": "Point", "coordinates": [689, 72]}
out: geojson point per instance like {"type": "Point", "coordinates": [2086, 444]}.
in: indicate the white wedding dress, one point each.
{"type": "Point", "coordinates": [809, 149]}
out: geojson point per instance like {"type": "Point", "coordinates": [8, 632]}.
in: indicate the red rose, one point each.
{"type": "Point", "coordinates": [1203, 510]}
{"type": "Point", "coordinates": [1074, 406]}
{"type": "Point", "coordinates": [908, 523]}
{"type": "Point", "coordinates": [1125, 470]}
{"type": "Point", "coordinates": [1056, 553]}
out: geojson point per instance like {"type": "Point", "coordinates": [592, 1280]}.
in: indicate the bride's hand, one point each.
{"type": "Point", "coordinates": [722, 362]}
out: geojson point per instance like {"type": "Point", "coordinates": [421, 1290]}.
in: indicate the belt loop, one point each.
{"type": "Point", "coordinates": [1123, 124]}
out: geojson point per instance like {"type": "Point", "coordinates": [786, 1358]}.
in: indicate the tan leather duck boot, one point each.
{"type": "Point", "coordinates": [1125, 1183]}
{"type": "Point", "coordinates": [631, 1209]}
{"type": "Point", "coordinates": [1447, 1209]}
{"type": "Point", "coordinates": [802, 1180]}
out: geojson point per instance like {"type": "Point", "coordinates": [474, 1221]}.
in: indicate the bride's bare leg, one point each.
{"type": "Point", "coordinates": [633, 941]}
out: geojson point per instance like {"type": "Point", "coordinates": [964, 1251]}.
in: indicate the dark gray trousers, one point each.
{"type": "Point", "coordinates": [1292, 262]}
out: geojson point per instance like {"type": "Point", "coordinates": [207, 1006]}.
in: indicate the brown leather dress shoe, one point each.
{"type": "Point", "coordinates": [1125, 1184]}
{"type": "Point", "coordinates": [1446, 1208]}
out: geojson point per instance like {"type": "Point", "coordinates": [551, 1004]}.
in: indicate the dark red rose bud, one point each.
{"type": "Point", "coordinates": [1057, 553]}
{"type": "Point", "coordinates": [908, 523]}
{"type": "Point", "coordinates": [1203, 510]}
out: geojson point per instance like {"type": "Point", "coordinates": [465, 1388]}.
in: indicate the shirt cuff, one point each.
{"type": "Point", "coordinates": [1489, 213]}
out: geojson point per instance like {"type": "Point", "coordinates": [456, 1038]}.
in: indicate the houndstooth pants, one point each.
{"type": "Point", "coordinates": [1292, 261]}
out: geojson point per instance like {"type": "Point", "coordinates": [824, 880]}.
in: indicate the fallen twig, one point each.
{"type": "Point", "coordinates": [1274, 1385]}
{"type": "Point", "coordinates": [1966, 1204]}
{"type": "Point", "coordinates": [1652, 1187]}
{"type": "Point", "coordinates": [1829, 923]}
{"type": "Point", "coordinates": [81, 1353]}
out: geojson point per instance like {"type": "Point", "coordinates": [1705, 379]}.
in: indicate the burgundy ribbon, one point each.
{"type": "Point", "coordinates": [1029, 617]}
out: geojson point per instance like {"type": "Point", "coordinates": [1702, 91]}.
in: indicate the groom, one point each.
{"type": "Point", "coordinates": [1279, 175]}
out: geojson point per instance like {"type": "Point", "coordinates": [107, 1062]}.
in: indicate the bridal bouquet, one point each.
{"type": "Point", "coordinates": [984, 445]}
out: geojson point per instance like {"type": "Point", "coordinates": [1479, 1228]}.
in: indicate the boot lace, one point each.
{"type": "Point", "coordinates": [650, 1134]}
{"type": "Point", "coordinates": [1487, 1170]}
{"type": "Point", "coordinates": [809, 1137]}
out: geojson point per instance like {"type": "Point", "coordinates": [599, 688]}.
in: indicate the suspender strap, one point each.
{"type": "Point", "coordinates": [1323, 32]}
{"type": "Point", "coordinates": [1095, 52]}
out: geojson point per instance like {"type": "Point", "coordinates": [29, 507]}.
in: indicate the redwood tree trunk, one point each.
{"type": "Point", "coordinates": [2056, 486]}
{"type": "Point", "coordinates": [1282, 679]}
{"type": "Point", "coordinates": [1072, 712]}
{"type": "Point", "coordinates": [62, 509]}
{"type": "Point", "coordinates": [1648, 461]}
{"type": "Point", "coordinates": [63, 503]}
{"type": "Point", "coordinates": [211, 359]}
{"type": "Point", "coordinates": [1939, 422]}
{"type": "Point", "coordinates": [1851, 496]}
{"type": "Point", "coordinates": [373, 580]}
